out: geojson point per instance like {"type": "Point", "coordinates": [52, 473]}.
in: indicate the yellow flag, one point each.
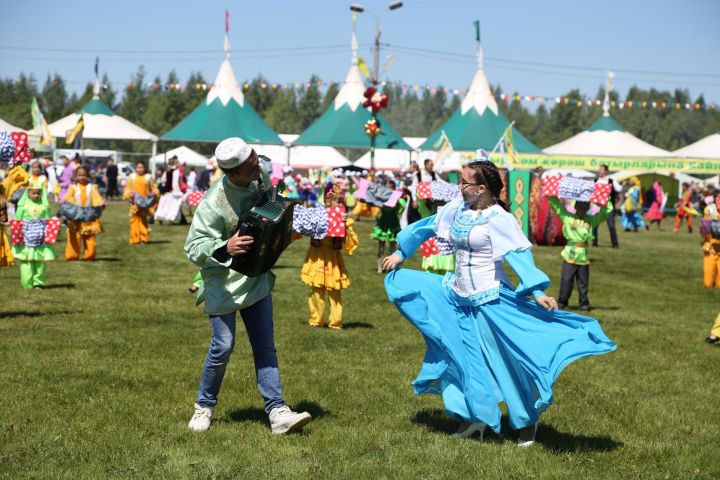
{"type": "Point", "coordinates": [76, 132]}
{"type": "Point", "coordinates": [362, 66]}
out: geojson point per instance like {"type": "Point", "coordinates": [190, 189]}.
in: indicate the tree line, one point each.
{"type": "Point", "coordinates": [414, 114]}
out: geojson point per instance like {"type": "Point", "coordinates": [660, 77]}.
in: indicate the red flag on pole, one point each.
{"type": "Point", "coordinates": [227, 21]}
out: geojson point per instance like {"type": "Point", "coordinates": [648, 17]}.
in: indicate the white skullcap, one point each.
{"type": "Point", "coordinates": [232, 152]}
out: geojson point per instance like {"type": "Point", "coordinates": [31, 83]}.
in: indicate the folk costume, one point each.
{"type": "Point", "coordinates": [632, 218]}
{"type": "Point", "coordinates": [324, 269]}
{"type": "Point", "coordinates": [82, 207]}
{"type": "Point", "coordinates": [142, 194]}
{"type": "Point", "coordinates": [486, 342]}
{"type": "Point", "coordinates": [34, 252]}
{"type": "Point", "coordinates": [576, 262]}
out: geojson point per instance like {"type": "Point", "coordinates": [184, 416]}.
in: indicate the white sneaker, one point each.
{"type": "Point", "coordinates": [283, 420]}
{"type": "Point", "coordinates": [200, 421]}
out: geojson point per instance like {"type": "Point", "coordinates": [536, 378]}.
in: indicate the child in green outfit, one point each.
{"type": "Point", "coordinates": [33, 209]}
{"type": "Point", "coordinates": [578, 231]}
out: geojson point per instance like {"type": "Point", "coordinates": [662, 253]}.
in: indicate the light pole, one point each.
{"type": "Point", "coordinates": [376, 50]}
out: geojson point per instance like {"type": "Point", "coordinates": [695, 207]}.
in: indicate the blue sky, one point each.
{"type": "Point", "coordinates": [678, 38]}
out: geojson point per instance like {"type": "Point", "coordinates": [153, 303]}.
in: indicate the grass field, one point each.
{"type": "Point", "coordinates": [99, 373]}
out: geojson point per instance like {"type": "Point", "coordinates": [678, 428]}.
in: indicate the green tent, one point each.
{"type": "Point", "coordinates": [343, 123]}
{"type": "Point", "coordinates": [223, 114]}
{"type": "Point", "coordinates": [478, 122]}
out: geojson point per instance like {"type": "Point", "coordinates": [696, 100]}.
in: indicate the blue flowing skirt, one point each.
{"type": "Point", "coordinates": [632, 220]}
{"type": "Point", "coordinates": [508, 350]}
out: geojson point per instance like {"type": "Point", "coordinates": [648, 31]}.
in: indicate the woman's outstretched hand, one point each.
{"type": "Point", "coordinates": [391, 262]}
{"type": "Point", "coordinates": [548, 303]}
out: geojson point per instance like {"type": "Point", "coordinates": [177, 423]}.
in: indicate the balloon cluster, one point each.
{"type": "Point", "coordinates": [372, 128]}
{"type": "Point", "coordinates": [375, 100]}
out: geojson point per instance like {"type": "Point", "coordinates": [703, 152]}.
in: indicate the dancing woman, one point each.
{"type": "Point", "coordinates": [486, 342]}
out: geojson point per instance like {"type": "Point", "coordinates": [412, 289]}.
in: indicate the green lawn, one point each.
{"type": "Point", "coordinates": [99, 375]}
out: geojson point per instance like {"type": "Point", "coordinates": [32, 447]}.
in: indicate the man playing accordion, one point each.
{"type": "Point", "coordinates": [226, 291]}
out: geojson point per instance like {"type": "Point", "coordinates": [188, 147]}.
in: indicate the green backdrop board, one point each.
{"type": "Point", "coordinates": [519, 198]}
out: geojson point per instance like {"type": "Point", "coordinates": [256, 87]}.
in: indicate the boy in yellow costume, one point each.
{"type": "Point", "coordinates": [142, 194]}
{"type": "Point", "coordinates": [324, 269]}
{"type": "Point", "coordinates": [82, 208]}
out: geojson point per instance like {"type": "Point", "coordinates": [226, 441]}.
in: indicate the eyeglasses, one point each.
{"type": "Point", "coordinates": [464, 185]}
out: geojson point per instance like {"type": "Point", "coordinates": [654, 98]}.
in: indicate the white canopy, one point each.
{"type": "Point", "coordinates": [101, 123]}
{"type": "Point", "coordinates": [9, 127]}
{"type": "Point", "coordinates": [607, 139]}
{"type": "Point", "coordinates": [708, 147]}
{"type": "Point", "coordinates": [185, 155]}
{"type": "Point", "coordinates": [311, 156]}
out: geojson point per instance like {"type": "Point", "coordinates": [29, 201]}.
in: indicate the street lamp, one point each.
{"type": "Point", "coordinates": [376, 51]}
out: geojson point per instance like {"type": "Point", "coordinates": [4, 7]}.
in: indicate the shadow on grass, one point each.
{"type": "Point", "coordinates": [255, 414]}
{"type": "Point", "coordinates": [547, 436]}
{"type": "Point", "coordinates": [54, 286]}
{"type": "Point", "coordinates": [20, 313]}
{"type": "Point", "coordinates": [108, 259]}
{"type": "Point", "coordinates": [157, 242]}
{"type": "Point", "coordinates": [351, 325]}
{"type": "Point", "coordinates": [561, 442]}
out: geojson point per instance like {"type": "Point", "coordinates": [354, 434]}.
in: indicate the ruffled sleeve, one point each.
{"type": "Point", "coordinates": [506, 235]}
{"type": "Point", "coordinates": [412, 236]}
{"type": "Point", "coordinates": [351, 238]}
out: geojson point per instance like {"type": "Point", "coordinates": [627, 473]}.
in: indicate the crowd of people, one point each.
{"type": "Point", "coordinates": [487, 340]}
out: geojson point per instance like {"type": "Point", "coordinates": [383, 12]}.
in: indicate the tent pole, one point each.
{"type": "Point", "coordinates": [151, 165]}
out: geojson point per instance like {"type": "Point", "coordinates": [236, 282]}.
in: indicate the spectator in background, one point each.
{"type": "Point", "coordinates": [203, 182]}
{"type": "Point", "coordinates": [111, 173]}
{"type": "Point", "coordinates": [192, 180]}
{"type": "Point", "coordinates": [66, 177]}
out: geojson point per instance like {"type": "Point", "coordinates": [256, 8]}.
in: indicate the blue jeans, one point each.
{"type": "Point", "coordinates": [258, 321]}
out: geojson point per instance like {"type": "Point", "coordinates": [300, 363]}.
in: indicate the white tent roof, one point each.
{"type": "Point", "coordinates": [311, 156]}
{"type": "Point", "coordinates": [102, 126]}
{"type": "Point", "coordinates": [607, 140]}
{"type": "Point", "coordinates": [185, 155]}
{"type": "Point", "coordinates": [708, 147]}
{"type": "Point", "coordinates": [9, 127]}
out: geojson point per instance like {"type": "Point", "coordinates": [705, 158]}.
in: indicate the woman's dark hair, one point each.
{"type": "Point", "coordinates": [486, 173]}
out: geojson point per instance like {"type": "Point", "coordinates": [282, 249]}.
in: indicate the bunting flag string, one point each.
{"type": "Point", "coordinates": [406, 87]}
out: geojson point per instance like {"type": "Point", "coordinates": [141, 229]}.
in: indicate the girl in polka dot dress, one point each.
{"type": "Point", "coordinates": [324, 269]}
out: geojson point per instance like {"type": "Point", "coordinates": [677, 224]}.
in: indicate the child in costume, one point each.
{"type": "Point", "coordinates": [685, 209]}
{"type": "Point", "coordinates": [324, 269]}
{"type": "Point", "coordinates": [656, 212]}
{"type": "Point", "coordinates": [486, 341]}
{"type": "Point", "coordinates": [577, 230]}
{"type": "Point", "coordinates": [33, 209]}
{"type": "Point", "coordinates": [142, 194]}
{"type": "Point", "coordinates": [387, 225]}
{"type": "Point", "coordinates": [632, 209]}
{"type": "Point", "coordinates": [37, 175]}
{"type": "Point", "coordinates": [82, 208]}
{"type": "Point", "coordinates": [15, 181]}
{"type": "Point", "coordinates": [6, 256]}
{"type": "Point", "coordinates": [710, 232]}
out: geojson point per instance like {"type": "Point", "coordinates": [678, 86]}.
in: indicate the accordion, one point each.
{"type": "Point", "coordinates": [270, 223]}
